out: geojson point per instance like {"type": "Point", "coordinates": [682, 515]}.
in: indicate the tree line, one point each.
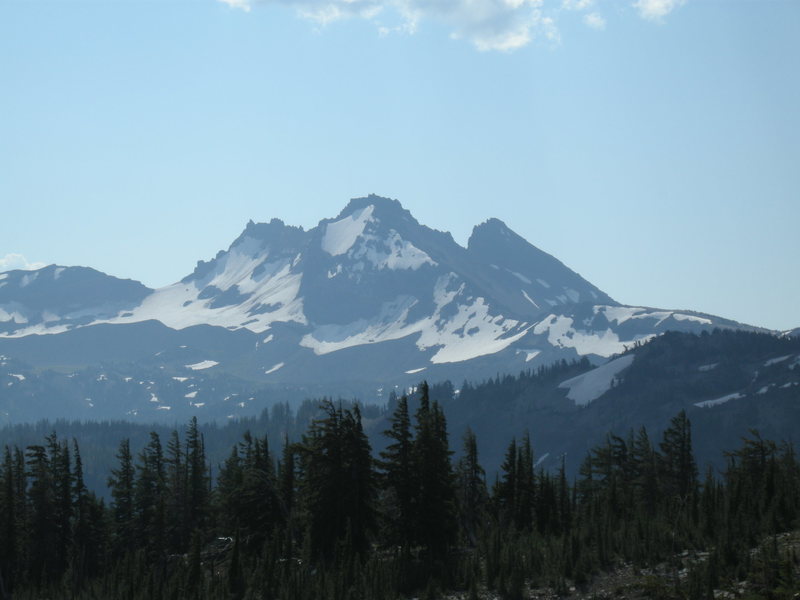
{"type": "Point", "coordinates": [323, 518]}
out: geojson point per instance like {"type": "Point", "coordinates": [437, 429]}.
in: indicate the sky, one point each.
{"type": "Point", "coordinates": [653, 146]}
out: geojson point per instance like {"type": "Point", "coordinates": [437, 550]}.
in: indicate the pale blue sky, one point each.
{"type": "Point", "coordinates": [656, 153]}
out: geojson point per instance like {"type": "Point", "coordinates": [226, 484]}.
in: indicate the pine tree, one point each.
{"type": "Point", "coordinates": [8, 526]}
{"type": "Point", "coordinates": [679, 470]}
{"type": "Point", "coordinates": [258, 503]}
{"type": "Point", "coordinates": [506, 487]}
{"type": "Point", "coordinates": [43, 542]}
{"type": "Point", "coordinates": [61, 480]}
{"type": "Point", "coordinates": [176, 510]}
{"type": "Point", "coordinates": [197, 487]}
{"type": "Point", "coordinates": [526, 486]}
{"type": "Point", "coordinates": [228, 492]}
{"type": "Point", "coordinates": [471, 490]}
{"type": "Point", "coordinates": [435, 503]}
{"type": "Point", "coordinates": [399, 478]}
{"type": "Point", "coordinates": [81, 551]}
{"type": "Point", "coordinates": [338, 482]}
{"type": "Point", "coordinates": [149, 501]}
{"type": "Point", "coordinates": [121, 484]}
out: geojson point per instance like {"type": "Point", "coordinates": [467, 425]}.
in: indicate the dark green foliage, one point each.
{"type": "Point", "coordinates": [338, 484]}
{"type": "Point", "coordinates": [325, 524]}
{"type": "Point", "coordinates": [471, 494]}
{"type": "Point", "coordinates": [434, 525]}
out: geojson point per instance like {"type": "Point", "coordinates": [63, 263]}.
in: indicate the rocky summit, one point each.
{"type": "Point", "coordinates": [365, 301]}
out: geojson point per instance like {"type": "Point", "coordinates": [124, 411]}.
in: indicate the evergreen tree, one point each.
{"type": "Point", "coordinates": [8, 525]}
{"type": "Point", "coordinates": [43, 542]}
{"type": "Point", "coordinates": [435, 503]}
{"type": "Point", "coordinates": [526, 486]}
{"type": "Point", "coordinates": [177, 528]}
{"type": "Point", "coordinates": [338, 483]}
{"type": "Point", "coordinates": [121, 484]}
{"type": "Point", "coordinates": [197, 487]}
{"type": "Point", "coordinates": [471, 490]}
{"type": "Point", "coordinates": [506, 487]}
{"type": "Point", "coordinates": [399, 478]}
{"type": "Point", "coordinates": [678, 468]}
{"type": "Point", "coordinates": [149, 498]}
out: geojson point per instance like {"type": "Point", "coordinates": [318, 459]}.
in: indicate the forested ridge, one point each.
{"type": "Point", "coordinates": [323, 517]}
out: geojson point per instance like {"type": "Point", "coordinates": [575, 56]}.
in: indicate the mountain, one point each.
{"type": "Point", "coordinates": [361, 303]}
{"type": "Point", "coordinates": [728, 382]}
{"type": "Point", "coordinates": [57, 299]}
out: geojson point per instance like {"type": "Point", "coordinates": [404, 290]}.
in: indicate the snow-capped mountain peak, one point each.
{"type": "Point", "coordinates": [369, 293]}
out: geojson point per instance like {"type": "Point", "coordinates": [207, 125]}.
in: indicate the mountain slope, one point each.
{"type": "Point", "coordinates": [368, 299]}
{"type": "Point", "coordinates": [54, 299]}
{"type": "Point", "coordinates": [728, 382]}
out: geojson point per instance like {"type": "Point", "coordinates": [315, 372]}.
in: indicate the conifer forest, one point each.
{"type": "Point", "coordinates": [324, 517]}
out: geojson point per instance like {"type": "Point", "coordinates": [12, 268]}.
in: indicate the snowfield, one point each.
{"type": "Point", "coordinates": [205, 364]}
{"type": "Point", "coordinates": [589, 386]}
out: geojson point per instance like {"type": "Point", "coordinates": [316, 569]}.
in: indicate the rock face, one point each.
{"type": "Point", "coordinates": [368, 298]}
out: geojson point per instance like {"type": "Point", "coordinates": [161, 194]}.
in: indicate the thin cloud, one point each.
{"type": "Point", "coordinates": [503, 25]}
{"type": "Point", "coordinates": [595, 20]}
{"type": "Point", "coordinates": [577, 4]}
{"type": "Point", "coordinates": [13, 261]}
{"type": "Point", "coordinates": [656, 10]}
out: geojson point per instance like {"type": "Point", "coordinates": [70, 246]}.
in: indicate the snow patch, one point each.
{"type": "Point", "coordinates": [412, 371]}
{"type": "Point", "coordinates": [543, 283]}
{"type": "Point", "coordinates": [57, 273]}
{"type": "Point", "coordinates": [521, 277]}
{"type": "Point", "coordinates": [620, 314]}
{"type": "Point", "coordinates": [718, 401]}
{"type": "Point", "coordinates": [181, 379]}
{"type": "Point", "coordinates": [15, 316]}
{"type": "Point", "coordinates": [561, 333]}
{"type": "Point", "coordinates": [164, 407]}
{"type": "Point", "coordinates": [204, 364]}
{"type": "Point", "coordinates": [18, 376]}
{"type": "Point", "coordinates": [706, 368]}
{"type": "Point", "coordinates": [394, 253]}
{"type": "Point", "coordinates": [269, 297]}
{"type": "Point", "coordinates": [28, 279]}
{"type": "Point", "coordinates": [274, 368]}
{"type": "Point", "coordinates": [682, 317]}
{"type": "Point", "coordinates": [528, 298]}
{"type": "Point", "coordinates": [775, 361]}
{"type": "Point", "coordinates": [342, 234]}
{"type": "Point", "coordinates": [191, 394]}
{"type": "Point", "coordinates": [589, 386]}
{"type": "Point", "coordinates": [531, 354]}
{"type": "Point", "coordinates": [468, 333]}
